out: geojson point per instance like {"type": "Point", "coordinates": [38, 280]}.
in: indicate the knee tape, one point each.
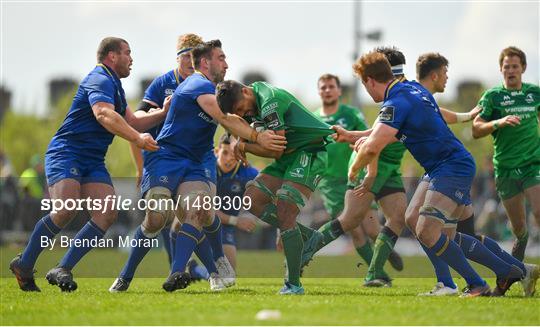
{"type": "Point", "coordinates": [164, 204]}
{"type": "Point", "coordinates": [260, 185]}
{"type": "Point", "coordinates": [292, 195]}
{"type": "Point", "coordinates": [434, 213]}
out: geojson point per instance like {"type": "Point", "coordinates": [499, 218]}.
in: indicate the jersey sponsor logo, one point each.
{"type": "Point", "coordinates": [207, 118]}
{"type": "Point", "coordinates": [508, 103]}
{"type": "Point", "coordinates": [387, 114]}
{"type": "Point", "coordinates": [297, 172]}
{"type": "Point", "coordinates": [529, 98]}
{"type": "Point", "coordinates": [169, 92]}
{"type": "Point", "coordinates": [506, 98]}
{"type": "Point", "coordinates": [271, 107]}
{"type": "Point", "coordinates": [272, 120]}
{"type": "Point", "coordinates": [514, 93]}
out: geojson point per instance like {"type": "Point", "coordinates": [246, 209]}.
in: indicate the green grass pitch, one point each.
{"type": "Point", "coordinates": [334, 296]}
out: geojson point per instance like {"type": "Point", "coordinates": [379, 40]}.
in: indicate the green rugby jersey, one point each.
{"type": "Point", "coordinates": [280, 110]}
{"type": "Point", "coordinates": [393, 153]}
{"type": "Point", "coordinates": [351, 119]}
{"type": "Point", "coordinates": [516, 146]}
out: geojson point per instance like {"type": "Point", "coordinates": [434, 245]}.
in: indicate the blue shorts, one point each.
{"type": "Point", "coordinates": [161, 169]}
{"type": "Point", "coordinates": [228, 234]}
{"type": "Point", "coordinates": [62, 165]}
{"type": "Point", "coordinates": [453, 179]}
{"type": "Point", "coordinates": [209, 164]}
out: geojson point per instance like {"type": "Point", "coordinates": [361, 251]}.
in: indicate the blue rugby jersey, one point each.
{"type": "Point", "coordinates": [421, 128]}
{"type": "Point", "coordinates": [80, 130]}
{"type": "Point", "coordinates": [188, 131]}
{"type": "Point", "coordinates": [233, 184]}
{"type": "Point", "coordinates": [160, 88]}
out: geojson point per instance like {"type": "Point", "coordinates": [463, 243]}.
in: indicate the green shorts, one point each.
{"type": "Point", "coordinates": [511, 182]}
{"type": "Point", "coordinates": [332, 190]}
{"type": "Point", "coordinates": [300, 167]}
{"type": "Point", "coordinates": [388, 181]}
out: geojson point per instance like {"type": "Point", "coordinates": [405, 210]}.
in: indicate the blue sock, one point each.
{"type": "Point", "coordinates": [44, 228]}
{"type": "Point", "coordinates": [89, 232]}
{"type": "Point", "coordinates": [441, 268]}
{"type": "Point", "coordinates": [204, 253]}
{"type": "Point", "coordinates": [165, 234]}
{"type": "Point", "coordinates": [478, 252]}
{"type": "Point", "coordinates": [172, 244]}
{"type": "Point", "coordinates": [213, 233]}
{"type": "Point", "coordinates": [199, 271]}
{"type": "Point", "coordinates": [450, 252]}
{"type": "Point", "coordinates": [186, 241]}
{"type": "Point", "coordinates": [495, 248]}
{"type": "Point", "coordinates": [136, 255]}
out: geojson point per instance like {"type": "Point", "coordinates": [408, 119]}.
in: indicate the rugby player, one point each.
{"type": "Point", "coordinates": [160, 88]}
{"type": "Point", "coordinates": [282, 188]}
{"type": "Point", "coordinates": [510, 113]}
{"type": "Point", "coordinates": [175, 171]}
{"type": "Point", "coordinates": [75, 162]}
{"type": "Point", "coordinates": [432, 69]}
{"type": "Point", "coordinates": [333, 185]}
{"type": "Point", "coordinates": [447, 163]}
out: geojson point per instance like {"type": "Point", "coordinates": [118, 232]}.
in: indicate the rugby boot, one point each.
{"type": "Point", "coordinates": [63, 278]}
{"type": "Point", "coordinates": [24, 276]}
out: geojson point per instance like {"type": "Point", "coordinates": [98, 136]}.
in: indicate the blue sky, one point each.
{"type": "Point", "coordinates": [292, 42]}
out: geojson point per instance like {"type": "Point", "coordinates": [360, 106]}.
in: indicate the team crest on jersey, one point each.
{"type": "Point", "coordinates": [236, 188]}
{"type": "Point", "coordinates": [342, 122]}
{"type": "Point", "coordinates": [529, 98]}
{"type": "Point", "coordinates": [297, 172]}
{"type": "Point", "coordinates": [169, 92]}
{"type": "Point", "coordinates": [387, 114]}
{"type": "Point", "coordinates": [74, 171]}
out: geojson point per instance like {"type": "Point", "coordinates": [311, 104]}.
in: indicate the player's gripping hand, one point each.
{"type": "Point", "coordinates": [510, 120]}
{"type": "Point", "coordinates": [146, 142]}
{"type": "Point", "coordinates": [167, 104]}
{"type": "Point", "coordinates": [356, 146]}
{"type": "Point", "coordinates": [271, 141]}
{"type": "Point", "coordinates": [365, 187]}
{"type": "Point", "coordinates": [341, 134]}
{"type": "Point", "coordinates": [474, 112]}
{"type": "Point", "coordinates": [247, 224]}
{"type": "Point", "coordinates": [239, 150]}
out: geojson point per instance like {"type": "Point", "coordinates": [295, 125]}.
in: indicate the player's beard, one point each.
{"type": "Point", "coordinates": [217, 76]}
{"type": "Point", "coordinates": [330, 102]}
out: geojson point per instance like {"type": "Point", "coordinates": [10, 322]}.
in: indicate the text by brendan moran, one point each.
{"type": "Point", "coordinates": [123, 241]}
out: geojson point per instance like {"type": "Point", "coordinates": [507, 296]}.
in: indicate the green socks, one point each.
{"type": "Point", "coordinates": [292, 247]}
{"type": "Point", "coordinates": [269, 216]}
{"type": "Point", "coordinates": [366, 252]}
{"type": "Point", "coordinates": [331, 230]}
{"type": "Point", "coordinates": [383, 247]}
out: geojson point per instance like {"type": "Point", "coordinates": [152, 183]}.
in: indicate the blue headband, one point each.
{"type": "Point", "coordinates": [184, 50]}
